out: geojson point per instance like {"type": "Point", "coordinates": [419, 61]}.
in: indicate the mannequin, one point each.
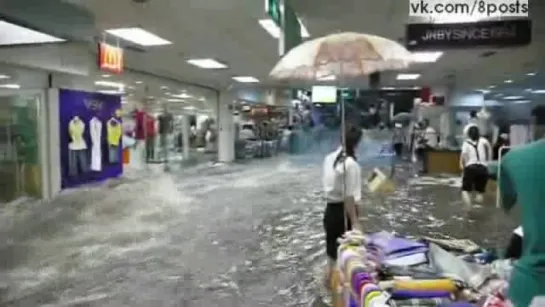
{"type": "Point", "coordinates": [96, 148]}
{"type": "Point", "coordinates": [114, 132]}
{"type": "Point", "coordinates": [77, 154]}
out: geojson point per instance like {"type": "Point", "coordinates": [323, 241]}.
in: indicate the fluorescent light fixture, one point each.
{"type": "Point", "coordinates": [388, 88]}
{"type": "Point", "coordinates": [138, 82]}
{"type": "Point", "coordinates": [190, 108]}
{"type": "Point", "coordinates": [426, 57]}
{"type": "Point", "coordinates": [4, 77]}
{"type": "Point", "coordinates": [408, 76]}
{"type": "Point", "coordinates": [106, 76]}
{"type": "Point", "coordinates": [246, 79]}
{"type": "Point", "coordinates": [531, 74]}
{"type": "Point", "coordinates": [207, 63]}
{"type": "Point", "coordinates": [112, 92]}
{"type": "Point", "coordinates": [10, 86]}
{"type": "Point", "coordinates": [492, 86]}
{"type": "Point", "coordinates": [484, 91]}
{"type": "Point", "coordinates": [131, 87]}
{"type": "Point", "coordinates": [538, 92]}
{"type": "Point", "coordinates": [182, 95]}
{"type": "Point", "coordinates": [164, 87]}
{"type": "Point", "coordinates": [139, 36]}
{"type": "Point", "coordinates": [508, 81]}
{"type": "Point", "coordinates": [272, 28]}
{"type": "Point", "coordinates": [327, 78]}
{"type": "Point", "coordinates": [175, 100]}
{"type": "Point", "coordinates": [202, 99]}
{"type": "Point", "coordinates": [522, 101]}
{"type": "Point", "coordinates": [12, 34]}
{"type": "Point", "coordinates": [529, 90]}
{"type": "Point", "coordinates": [513, 97]}
{"type": "Point", "coordinates": [120, 86]}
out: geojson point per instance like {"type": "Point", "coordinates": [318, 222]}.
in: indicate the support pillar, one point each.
{"type": "Point", "coordinates": [226, 128]}
{"type": "Point", "coordinates": [186, 131]}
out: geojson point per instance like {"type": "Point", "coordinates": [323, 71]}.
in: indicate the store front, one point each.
{"type": "Point", "coordinates": [22, 118]}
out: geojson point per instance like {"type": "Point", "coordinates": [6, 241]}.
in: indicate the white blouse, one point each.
{"type": "Point", "coordinates": [346, 171]}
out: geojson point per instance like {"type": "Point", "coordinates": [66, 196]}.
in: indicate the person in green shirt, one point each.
{"type": "Point", "coordinates": [522, 182]}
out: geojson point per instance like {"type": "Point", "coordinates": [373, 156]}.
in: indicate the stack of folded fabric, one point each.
{"type": "Point", "coordinates": [398, 251]}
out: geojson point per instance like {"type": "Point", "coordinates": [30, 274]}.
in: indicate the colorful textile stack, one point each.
{"type": "Point", "coordinates": [394, 250]}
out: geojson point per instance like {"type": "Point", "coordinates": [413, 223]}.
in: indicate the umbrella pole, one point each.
{"type": "Point", "coordinates": [343, 141]}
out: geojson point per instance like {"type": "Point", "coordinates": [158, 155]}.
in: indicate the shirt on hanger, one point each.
{"type": "Point", "coordinates": [76, 127]}
{"type": "Point", "coordinates": [96, 147]}
{"type": "Point", "coordinates": [114, 132]}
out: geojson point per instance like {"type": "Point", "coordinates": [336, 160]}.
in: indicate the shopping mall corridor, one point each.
{"type": "Point", "coordinates": [238, 235]}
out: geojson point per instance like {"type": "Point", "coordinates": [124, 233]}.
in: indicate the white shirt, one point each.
{"type": "Point", "coordinates": [96, 150]}
{"type": "Point", "coordinates": [333, 177]}
{"type": "Point", "coordinates": [476, 153]}
{"type": "Point", "coordinates": [430, 135]}
{"type": "Point", "coordinates": [518, 231]}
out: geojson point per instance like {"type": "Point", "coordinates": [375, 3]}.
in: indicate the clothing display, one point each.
{"type": "Point", "coordinates": [114, 132]}
{"type": "Point", "coordinates": [96, 147]}
{"type": "Point", "coordinates": [484, 122]}
{"type": "Point", "coordinates": [76, 128]}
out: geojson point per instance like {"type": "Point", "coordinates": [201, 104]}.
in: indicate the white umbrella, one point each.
{"type": "Point", "coordinates": [343, 55]}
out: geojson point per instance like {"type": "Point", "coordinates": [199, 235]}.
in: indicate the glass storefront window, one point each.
{"type": "Point", "coordinates": [20, 172]}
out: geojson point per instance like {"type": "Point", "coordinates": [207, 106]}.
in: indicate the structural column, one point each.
{"type": "Point", "coordinates": [186, 131]}
{"type": "Point", "coordinates": [226, 127]}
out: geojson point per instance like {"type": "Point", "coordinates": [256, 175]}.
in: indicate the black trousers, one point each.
{"type": "Point", "coordinates": [475, 178]}
{"type": "Point", "coordinates": [398, 149]}
{"type": "Point", "coordinates": [514, 248]}
{"type": "Point", "coordinates": [334, 226]}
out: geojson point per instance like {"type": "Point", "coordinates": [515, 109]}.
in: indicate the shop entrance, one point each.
{"type": "Point", "coordinates": [20, 173]}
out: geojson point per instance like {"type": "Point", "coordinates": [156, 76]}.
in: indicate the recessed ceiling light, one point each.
{"type": "Point", "coordinates": [202, 99]}
{"type": "Point", "coordinates": [189, 108]}
{"type": "Point", "coordinates": [531, 74]}
{"type": "Point", "coordinates": [426, 57]}
{"type": "Point", "coordinates": [513, 97]}
{"type": "Point", "coordinates": [521, 101]}
{"type": "Point", "coordinates": [139, 36]}
{"type": "Point", "coordinates": [408, 76]}
{"type": "Point", "coordinates": [272, 28]}
{"type": "Point", "coordinates": [484, 91]}
{"type": "Point", "coordinates": [175, 100]}
{"type": "Point", "coordinates": [538, 92]}
{"type": "Point", "coordinates": [528, 90]}
{"type": "Point", "coordinates": [246, 79]}
{"type": "Point", "coordinates": [13, 34]}
{"type": "Point", "coordinates": [388, 88]}
{"type": "Point", "coordinates": [106, 76]}
{"type": "Point", "coordinates": [207, 63]}
{"type": "Point", "coordinates": [111, 92]}
{"type": "Point", "coordinates": [10, 86]}
{"type": "Point", "coordinates": [164, 87]}
{"type": "Point", "coordinates": [110, 84]}
{"type": "Point", "coordinates": [138, 82]}
{"type": "Point", "coordinates": [182, 95]}
{"type": "Point", "coordinates": [492, 86]}
{"type": "Point", "coordinates": [131, 87]}
{"type": "Point", "coordinates": [508, 81]}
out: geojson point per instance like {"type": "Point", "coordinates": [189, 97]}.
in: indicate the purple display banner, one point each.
{"type": "Point", "coordinates": [76, 167]}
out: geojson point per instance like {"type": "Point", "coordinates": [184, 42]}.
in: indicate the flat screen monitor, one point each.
{"type": "Point", "coordinates": [324, 94]}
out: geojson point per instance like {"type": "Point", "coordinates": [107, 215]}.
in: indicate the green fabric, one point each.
{"type": "Point", "coordinates": [522, 181]}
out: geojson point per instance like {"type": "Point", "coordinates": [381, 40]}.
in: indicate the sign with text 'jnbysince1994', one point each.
{"type": "Point", "coordinates": [506, 33]}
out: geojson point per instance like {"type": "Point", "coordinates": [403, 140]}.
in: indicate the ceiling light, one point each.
{"type": "Point", "coordinates": [175, 100]}
{"type": "Point", "coordinates": [182, 95]}
{"type": "Point", "coordinates": [528, 90]}
{"type": "Point", "coordinates": [12, 34]}
{"type": "Point", "coordinates": [111, 92]}
{"type": "Point", "coordinates": [190, 108]}
{"type": "Point", "coordinates": [4, 77]}
{"type": "Point", "coordinates": [508, 81]}
{"type": "Point", "coordinates": [130, 87]}
{"type": "Point", "coordinates": [522, 101]}
{"type": "Point", "coordinates": [328, 78]}
{"type": "Point", "coordinates": [138, 82]}
{"type": "Point", "coordinates": [106, 76]}
{"type": "Point", "coordinates": [121, 86]}
{"type": "Point", "coordinates": [207, 63]}
{"type": "Point", "coordinates": [246, 79]}
{"type": "Point", "coordinates": [408, 76]}
{"type": "Point", "coordinates": [388, 88]}
{"type": "Point", "coordinates": [492, 86]}
{"type": "Point", "coordinates": [274, 30]}
{"type": "Point", "coordinates": [484, 91]}
{"type": "Point", "coordinates": [10, 86]}
{"type": "Point", "coordinates": [531, 74]}
{"type": "Point", "coordinates": [164, 87]}
{"type": "Point", "coordinates": [139, 36]}
{"type": "Point", "coordinates": [202, 99]}
{"type": "Point", "coordinates": [513, 97]}
{"type": "Point", "coordinates": [538, 92]}
{"type": "Point", "coordinates": [426, 57]}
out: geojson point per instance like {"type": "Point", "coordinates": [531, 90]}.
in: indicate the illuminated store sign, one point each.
{"type": "Point", "coordinates": [110, 58]}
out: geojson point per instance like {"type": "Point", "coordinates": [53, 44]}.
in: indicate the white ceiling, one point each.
{"type": "Point", "coordinates": [228, 30]}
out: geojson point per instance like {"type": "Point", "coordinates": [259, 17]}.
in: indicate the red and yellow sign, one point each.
{"type": "Point", "coordinates": [110, 58]}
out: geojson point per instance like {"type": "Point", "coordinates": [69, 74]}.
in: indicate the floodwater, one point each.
{"type": "Point", "coordinates": [240, 235]}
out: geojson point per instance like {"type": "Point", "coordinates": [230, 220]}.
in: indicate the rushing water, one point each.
{"type": "Point", "coordinates": [243, 235]}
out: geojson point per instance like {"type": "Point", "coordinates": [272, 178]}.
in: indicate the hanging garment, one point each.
{"type": "Point", "coordinates": [76, 128]}
{"type": "Point", "coordinates": [96, 148]}
{"type": "Point", "coordinates": [114, 132]}
{"type": "Point", "coordinates": [518, 135]}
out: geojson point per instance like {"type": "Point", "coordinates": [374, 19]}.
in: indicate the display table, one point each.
{"type": "Point", "coordinates": [443, 161]}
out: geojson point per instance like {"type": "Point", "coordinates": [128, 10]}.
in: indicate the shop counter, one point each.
{"type": "Point", "coordinates": [443, 161]}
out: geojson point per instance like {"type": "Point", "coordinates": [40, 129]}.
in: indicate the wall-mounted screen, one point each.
{"type": "Point", "coordinates": [324, 94]}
